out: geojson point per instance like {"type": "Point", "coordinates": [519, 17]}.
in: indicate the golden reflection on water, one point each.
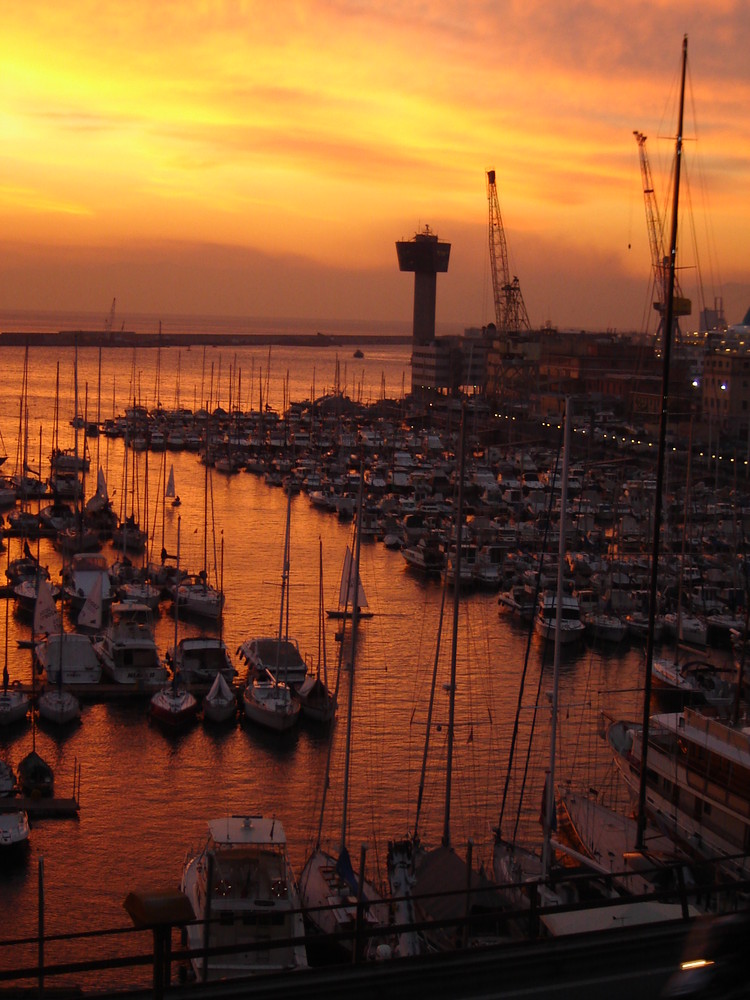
{"type": "Point", "coordinates": [146, 797]}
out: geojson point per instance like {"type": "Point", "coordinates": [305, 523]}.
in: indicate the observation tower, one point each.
{"type": "Point", "coordinates": [425, 255]}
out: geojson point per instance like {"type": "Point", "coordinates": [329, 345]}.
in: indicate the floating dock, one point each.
{"type": "Point", "coordinates": [39, 807]}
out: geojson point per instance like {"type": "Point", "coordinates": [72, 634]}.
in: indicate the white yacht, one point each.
{"type": "Point", "coordinates": [571, 626]}
{"type": "Point", "coordinates": [71, 654]}
{"type": "Point", "coordinates": [87, 569]}
{"type": "Point", "coordinates": [243, 881]}
{"type": "Point", "coordinates": [698, 782]}
{"type": "Point", "coordinates": [198, 658]}
{"type": "Point", "coordinates": [127, 650]}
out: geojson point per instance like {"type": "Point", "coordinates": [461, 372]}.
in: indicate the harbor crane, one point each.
{"type": "Point", "coordinates": [109, 320]}
{"type": "Point", "coordinates": [510, 309]}
{"type": "Point", "coordinates": [659, 258]}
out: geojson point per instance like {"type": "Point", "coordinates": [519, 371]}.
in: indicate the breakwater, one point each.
{"type": "Point", "coordinates": [129, 338]}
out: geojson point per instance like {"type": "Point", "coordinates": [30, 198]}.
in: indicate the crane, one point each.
{"type": "Point", "coordinates": [659, 258]}
{"type": "Point", "coordinates": [510, 309]}
{"type": "Point", "coordinates": [110, 318]}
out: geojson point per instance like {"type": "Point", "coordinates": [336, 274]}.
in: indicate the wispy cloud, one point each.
{"type": "Point", "coordinates": [259, 123]}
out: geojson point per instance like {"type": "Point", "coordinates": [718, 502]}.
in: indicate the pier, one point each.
{"type": "Point", "coordinates": [40, 807]}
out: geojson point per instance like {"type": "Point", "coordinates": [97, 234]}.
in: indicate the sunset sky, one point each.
{"type": "Point", "coordinates": [261, 159]}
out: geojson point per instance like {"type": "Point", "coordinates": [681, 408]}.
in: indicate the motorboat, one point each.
{"type": "Point", "coordinates": [280, 658]}
{"type": "Point", "coordinates": [87, 570]}
{"type": "Point", "coordinates": [488, 568]}
{"type": "Point", "coordinates": [604, 626]}
{"type": "Point", "coordinates": [463, 561]}
{"type": "Point", "coordinates": [242, 879]}
{"type": "Point", "coordinates": [14, 832]}
{"type": "Point", "coordinates": [698, 680]}
{"type": "Point", "coordinates": [199, 658]}
{"type": "Point", "coordinates": [71, 655]}
{"type": "Point", "coordinates": [127, 650]}
{"type": "Point", "coordinates": [571, 627]}
{"type": "Point", "coordinates": [426, 555]}
{"type": "Point", "coordinates": [519, 600]}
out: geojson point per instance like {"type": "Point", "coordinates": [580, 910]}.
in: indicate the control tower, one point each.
{"type": "Point", "coordinates": [425, 256]}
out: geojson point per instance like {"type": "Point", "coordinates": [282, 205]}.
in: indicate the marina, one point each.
{"type": "Point", "coordinates": [137, 778]}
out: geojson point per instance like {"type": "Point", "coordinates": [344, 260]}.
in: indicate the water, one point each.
{"type": "Point", "coordinates": [145, 796]}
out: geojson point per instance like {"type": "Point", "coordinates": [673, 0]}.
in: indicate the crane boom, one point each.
{"type": "Point", "coordinates": [655, 227]}
{"type": "Point", "coordinates": [510, 309]}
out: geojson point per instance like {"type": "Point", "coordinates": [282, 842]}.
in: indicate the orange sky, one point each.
{"type": "Point", "coordinates": [262, 159]}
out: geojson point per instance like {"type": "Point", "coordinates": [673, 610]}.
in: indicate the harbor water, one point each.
{"type": "Point", "coordinates": [145, 797]}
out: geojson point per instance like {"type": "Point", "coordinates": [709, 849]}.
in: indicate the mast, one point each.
{"type": "Point", "coordinates": [177, 590]}
{"type": "Point", "coordinates": [667, 352]}
{"type": "Point", "coordinates": [446, 839]}
{"type": "Point", "coordinates": [549, 792]}
{"type": "Point", "coordinates": [355, 627]}
{"type": "Point", "coordinates": [284, 633]}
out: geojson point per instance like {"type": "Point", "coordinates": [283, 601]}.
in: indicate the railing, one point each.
{"type": "Point", "coordinates": [484, 921]}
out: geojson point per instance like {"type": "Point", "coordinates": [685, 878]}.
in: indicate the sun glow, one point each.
{"type": "Point", "coordinates": [321, 132]}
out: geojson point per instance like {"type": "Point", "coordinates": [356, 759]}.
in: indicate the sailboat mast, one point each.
{"type": "Point", "coordinates": [667, 352]}
{"type": "Point", "coordinates": [177, 589]}
{"type": "Point", "coordinates": [446, 839]}
{"type": "Point", "coordinates": [355, 627]}
{"type": "Point", "coordinates": [284, 583]}
{"type": "Point", "coordinates": [549, 792]}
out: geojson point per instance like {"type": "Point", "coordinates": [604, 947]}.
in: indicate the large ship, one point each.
{"type": "Point", "coordinates": [697, 782]}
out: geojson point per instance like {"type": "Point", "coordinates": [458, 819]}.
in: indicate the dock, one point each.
{"type": "Point", "coordinates": [38, 807]}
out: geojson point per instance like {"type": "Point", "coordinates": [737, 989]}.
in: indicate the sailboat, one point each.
{"type": "Point", "coordinates": [661, 789]}
{"type": "Point", "coordinates": [438, 886]}
{"type": "Point", "coordinates": [173, 705]}
{"type": "Point", "coordinates": [35, 776]}
{"type": "Point", "coordinates": [525, 870]}
{"type": "Point", "coordinates": [267, 697]}
{"type": "Point", "coordinates": [14, 701]}
{"type": "Point", "coordinates": [195, 594]}
{"type": "Point", "coordinates": [317, 700]}
{"type": "Point", "coordinates": [530, 875]}
{"type": "Point", "coordinates": [351, 592]}
{"type": "Point", "coordinates": [337, 902]}
{"type": "Point", "coordinates": [56, 703]}
{"type": "Point", "coordinates": [220, 701]}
